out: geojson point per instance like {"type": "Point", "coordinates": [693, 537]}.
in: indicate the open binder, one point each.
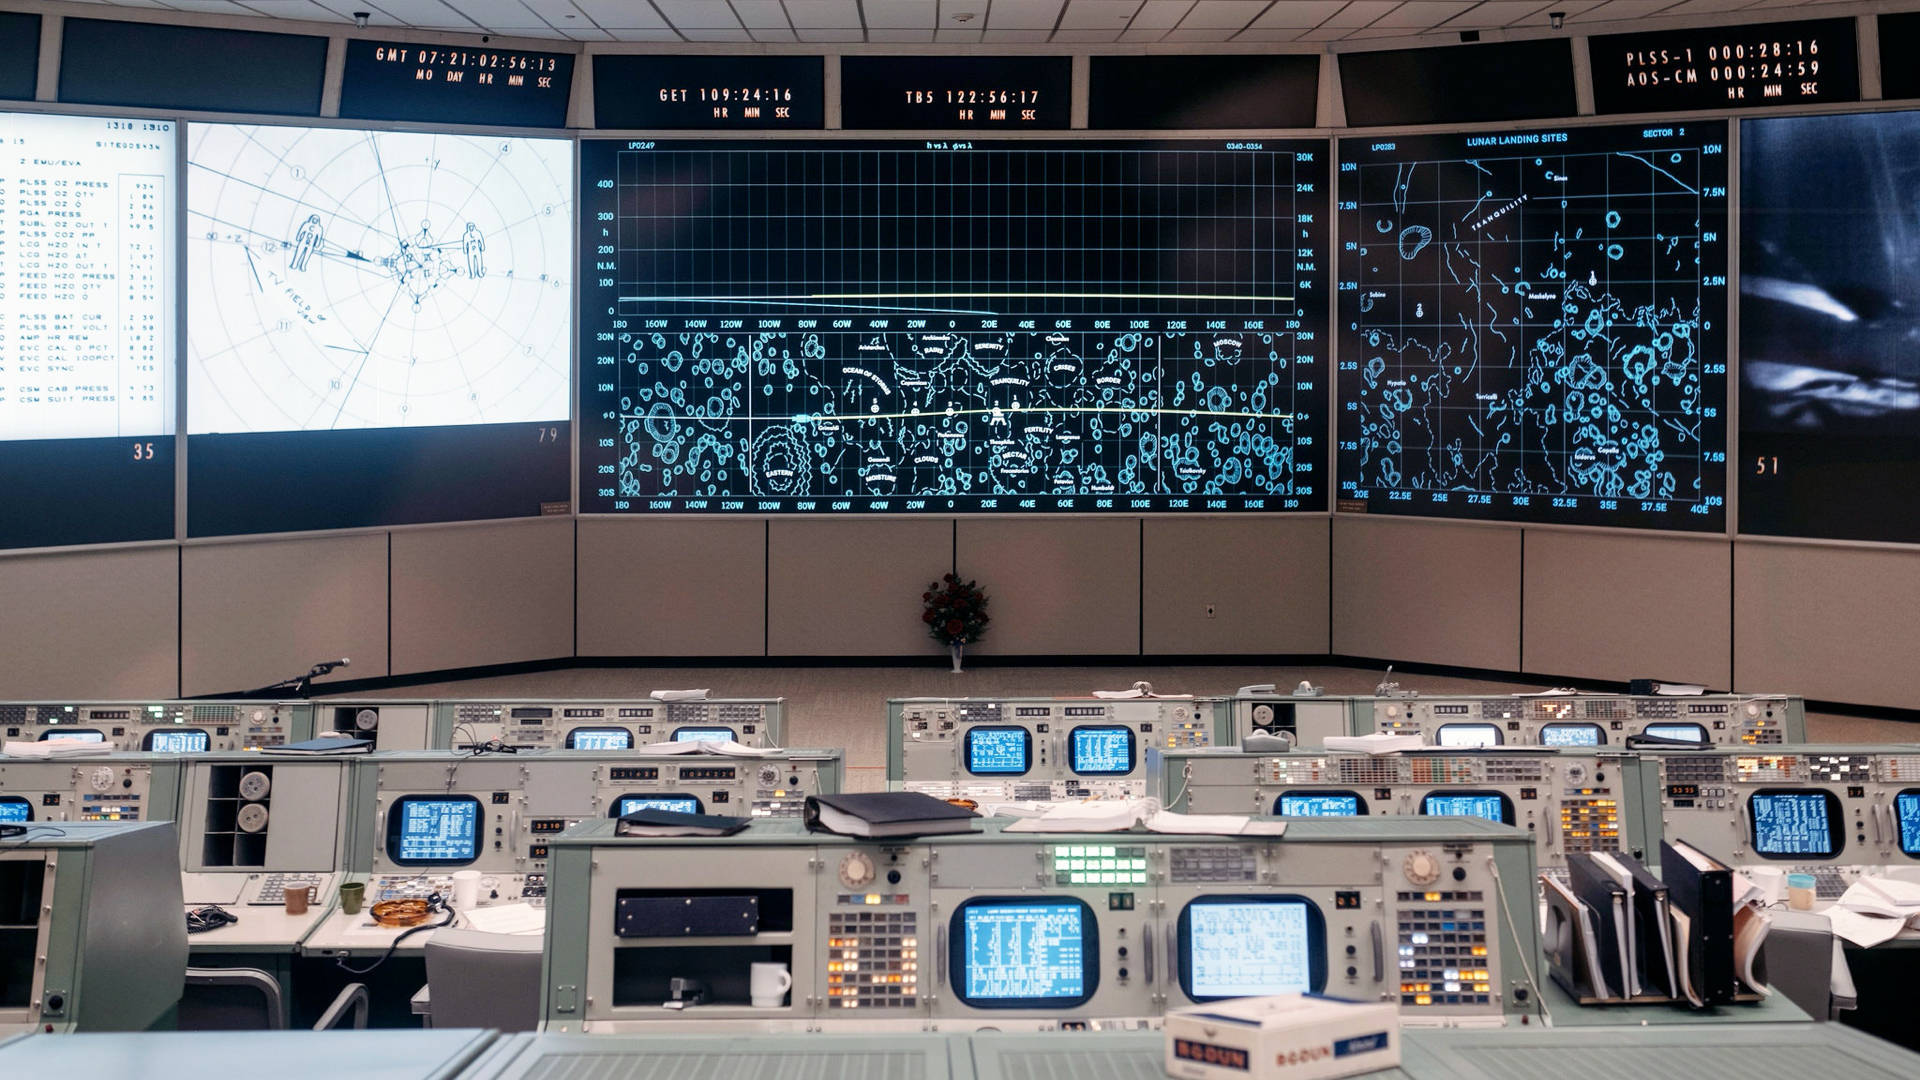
{"type": "Point", "coordinates": [1616, 934]}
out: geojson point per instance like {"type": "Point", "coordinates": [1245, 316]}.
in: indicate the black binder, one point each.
{"type": "Point", "coordinates": [885, 814]}
{"type": "Point", "coordinates": [1611, 909]}
{"type": "Point", "coordinates": [1701, 887]}
{"type": "Point", "coordinates": [1653, 933]}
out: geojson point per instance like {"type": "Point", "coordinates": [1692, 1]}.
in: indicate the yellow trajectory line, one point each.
{"type": "Point", "coordinates": [810, 417]}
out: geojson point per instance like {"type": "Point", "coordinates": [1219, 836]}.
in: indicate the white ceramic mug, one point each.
{"type": "Point", "coordinates": [466, 889]}
{"type": "Point", "coordinates": [768, 984]}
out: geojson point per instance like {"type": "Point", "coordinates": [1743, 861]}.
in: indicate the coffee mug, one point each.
{"type": "Point", "coordinates": [352, 895]}
{"type": "Point", "coordinates": [768, 984]}
{"type": "Point", "coordinates": [298, 897]}
{"type": "Point", "coordinates": [466, 889]}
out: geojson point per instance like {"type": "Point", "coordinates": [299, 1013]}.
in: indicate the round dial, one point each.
{"type": "Point", "coordinates": [252, 817]}
{"type": "Point", "coordinates": [101, 778]}
{"type": "Point", "coordinates": [856, 870]}
{"type": "Point", "coordinates": [255, 786]}
{"type": "Point", "coordinates": [1263, 716]}
{"type": "Point", "coordinates": [1393, 712]}
{"type": "Point", "coordinates": [1753, 708]}
{"type": "Point", "coordinates": [1576, 773]}
{"type": "Point", "coordinates": [367, 719]}
{"type": "Point", "coordinates": [1422, 868]}
{"type": "Point", "coordinates": [769, 776]}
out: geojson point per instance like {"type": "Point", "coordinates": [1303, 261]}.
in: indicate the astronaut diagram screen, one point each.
{"type": "Point", "coordinates": [952, 326]}
{"type": "Point", "coordinates": [358, 298]}
{"type": "Point", "coordinates": [1533, 325]}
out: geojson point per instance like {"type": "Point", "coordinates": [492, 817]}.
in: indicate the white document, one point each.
{"type": "Point", "coordinates": [1865, 931]}
{"type": "Point", "coordinates": [707, 747]}
{"type": "Point", "coordinates": [1558, 691]}
{"type": "Point", "coordinates": [679, 695]}
{"type": "Point", "coordinates": [1167, 821]}
{"type": "Point", "coordinates": [1903, 894]}
{"type": "Point", "coordinates": [1117, 816]}
{"type": "Point", "coordinates": [1682, 964]}
{"type": "Point", "coordinates": [1673, 689]}
{"type": "Point", "coordinates": [56, 748]}
{"type": "Point", "coordinates": [1377, 743]}
{"type": "Point", "coordinates": [1625, 921]}
{"type": "Point", "coordinates": [507, 919]}
{"type": "Point", "coordinates": [1750, 927]}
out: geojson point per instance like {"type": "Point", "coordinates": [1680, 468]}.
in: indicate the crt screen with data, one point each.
{"type": "Point", "coordinates": [952, 326]}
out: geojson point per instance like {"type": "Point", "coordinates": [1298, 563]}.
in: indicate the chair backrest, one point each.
{"type": "Point", "coordinates": [481, 980]}
{"type": "Point", "coordinates": [1800, 955]}
{"type": "Point", "coordinates": [231, 999]}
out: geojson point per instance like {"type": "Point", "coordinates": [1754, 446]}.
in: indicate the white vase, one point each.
{"type": "Point", "coordinates": [956, 650]}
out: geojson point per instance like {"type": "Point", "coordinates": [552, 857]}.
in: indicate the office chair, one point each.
{"type": "Point", "coordinates": [1805, 962]}
{"type": "Point", "coordinates": [253, 1002]}
{"type": "Point", "coordinates": [484, 980]}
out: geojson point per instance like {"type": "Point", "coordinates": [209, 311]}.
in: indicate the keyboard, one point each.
{"type": "Point", "coordinates": [272, 891]}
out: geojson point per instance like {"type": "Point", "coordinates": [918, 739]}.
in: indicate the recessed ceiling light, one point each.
{"type": "Point", "coordinates": [963, 16]}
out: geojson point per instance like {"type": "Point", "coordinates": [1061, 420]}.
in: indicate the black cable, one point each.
{"type": "Point", "coordinates": [433, 902]}
{"type": "Point", "coordinates": [212, 917]}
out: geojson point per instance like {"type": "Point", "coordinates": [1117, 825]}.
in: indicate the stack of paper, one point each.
{"type": "Point", "coordinates": [56, 748]}
{"type": "Point", "coordinates": [1874, 910]}
{"type": "Point", "coordinates": [710, 747]}
{"type": "Point", "coordinates": [679, 695]}
{"type": "Point", "coordinates": [1377, 743]}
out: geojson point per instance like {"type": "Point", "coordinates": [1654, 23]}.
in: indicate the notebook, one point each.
{"type": "Point", "coordinates": [886, 814]}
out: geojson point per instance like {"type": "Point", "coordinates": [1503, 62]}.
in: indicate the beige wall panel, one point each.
{"type": "Point", "coordinates": [1057, 585]}
{"type": "Point", "coordinates": [672, 587]}
{"type": "Point", "coordinates": [1264, 576]}
{"type": "Point", "coordinates": [851, 587]}
{"type": "Point", "coordinates": [1832, 623]}
{"type": "Point", "coordinates": [90, 625]}
{"type": "Point", "coordinates": [255, 612]}
{"type": "Point", "coordinates": [1617, 607]}
{"type": "Point", "coordinates": [1426, 592]}
{"type": "Point", "coordinates": [469, 595]}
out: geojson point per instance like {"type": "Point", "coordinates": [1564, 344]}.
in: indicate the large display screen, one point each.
{"type": "Point", "coordinates": [664, 93]}
{"type": "Point", "coordinates": [952, 327]}
{"type": "Point", "coordinates": [1239, 92]}
{"type": "Point", "coordinates": [1906, 810]}
{"type": "Point", "coordinates": [1460, 84]}
{"type": "Point", "coordinates": [379, 327]}
{"type": "Point", "coordinates": [177, 741]}
{"type": "Point", "coordinates": [19, 54]}
{"type": "Point", "coordinates": [1009, 953]}
{"type": "Point", "coordinates": [1726, 67]}
{"type": "Point", "coordinates": [1100, 750]}
{"type": "Point", "coordinates": [397, 80]}
{"type": "Point", "coordinates": [1899, 38]}
{"type": "Point", "coordinates": [161, 66]}
{"type": "Point", "coordinates": [1787, 824]}
{"type": "Point", "coordinates": [1490, 805]}
{"type": "Point", "coordinates": [674, 804]}
{"type": "Point", "coordinates": [86, 329]}
{"type": "Point", "coordinates": [1829, 296]}
{"type": "Point", "coordinates": [1532, 325]}
{"type": "Point", "coordinates": [433, 830]}
{"type": "Point", "coordinates": [1319, 804]}
{"type": "Point", "coordinates": [998, 751]}
{"type": "Point", "coordinates": [1251, 946]}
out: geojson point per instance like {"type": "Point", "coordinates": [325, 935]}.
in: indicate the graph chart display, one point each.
{"type": "Point", "coordinates": [1532, 325]}
{"type": "Point", "coordinates": [363, 300]}
{"type": "Point", "coordinates": [952, 326]}
{"type": "Point", "coordinates": [86, 329]}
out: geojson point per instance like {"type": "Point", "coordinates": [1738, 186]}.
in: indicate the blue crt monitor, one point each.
{"type": "Point", "coordinates": [1789, 823]}
{"type": "Point", "coordinates": [705, 734]}
{"type": "Point", "coordinates": [599, 738]}
{"type": "Point", "coordinates": [1490, 805]}
{"type": "Point", "coordinates": [1906, 810]}
{"type": "Point", "coordinates": [434, 830]}
{"type": "Point", "coordinates": [13, 808]}
{"type": "Point", "coordinates": [1011, 953]}
{"type": "Point", "coordinates": [678, 804]}
{"type": "Point", "coordinates": [1249, 946]}
{"type": "Point", "coordinates": [1319, 804]}
{"type": "Point", "coordinates": [1100, 750]}
{"type": "Point", "coordinates": [1572, 735]}
{"type": "Point", "coordinates": [998, 750]}
{"type": "Point", "coordinates": [176, 741]}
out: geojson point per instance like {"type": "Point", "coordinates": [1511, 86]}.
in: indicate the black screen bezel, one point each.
{"type": "Point", "coordinates": [18, 800]}
{"type": "Point", "coordinates": [1316, 937]}
{"type": "Point", "coordinates": [1073, 750]}
{"type": "Point", "coordinates": [1836, 825]}
{"type": "Point", "coordinates": [732, 735]}
{"type": "Point", "coordinates": [1089, 952]}
{"type": "Point", "coordinates": [1440, 734]}
{"type": "Point", "coordinates": [70, 733]}
{"type": "Point", "coordinates": [1360, 801]}
{"type": "Point", "coordinates": [1914, 851]}
{"type": "Point", "coordinates": [146, 741]}
{"type": "Point", "coordinates": [614, 811]}
{"type": "Point", "coordinates": [1595, 728]}
{"type": "Point", "coordinates": [600, 729]}
{"type": "Point", "coordinates": [1026, 747]}
{"type": "Point", "coordinates": [396, 816]}
{"type": "Point", "coordinates": [1705, 739]}
{"type": "Point", "coordinates": [1506, 804]}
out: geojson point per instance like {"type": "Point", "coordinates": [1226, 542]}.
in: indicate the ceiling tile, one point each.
{"type": "Point", "coordinates": [492, 13]}
{"type": "Point", "coordinates": [1361, 12]}
{"type": "Point", "coordinates": [1109, 34]}
{"type": "Point", "coordinates": [1025, 36]}
{"type": "Point", "coordinates": [1160, 14]}
{"type": "Point", "coordinates": [611, 14]}
{"type": "Point", "coordinates": [1291, 13]}
{"type": "Point", "coordinates": [976, 8]}
{"type": "Point", "coordinates": [1706, 7]}
{"type": "Point", "coordinates": [900, 14]}
{"type": "Point", "coordinates": [697, 15]}
{"type": "Point", "coordinates": [312, 12]}
{"type": "Point", "coordinates": [1325, 33]}
{"type": "Point", "coordinates": [587, 33]}
{"type": "Point", "coordinates": [1147, 33]}
{"type": "Point", "coordinates": [716, 33]}
{"type": "Point", "coordinates": [1379, 32]}
{"type": "Point", "coordinates": [894, 34]}
{"type": "Point", "coordinates": [834, 14]}
{"type": "Point", "coordinates": [1623, 10]}
{"type": "Point", "coordinates": [1495, 13]}
{"type": "Point", "coordinates": [209, 7]}
{"type": "Point", "coordinates": [1098, 14]}
{"type": "Point", "coordinates": [427, 13]}
{"type": "Point", "coordinates": [830, 33]}
{"type": "Point", "coordinates": [1269, 33]}
{"type": "Point", "coordinates": [1222, 14]}
{"type": "Point", "coordinates": [644, 34]}
{"type": "Point", "coordinates": [1199, 33]}
{"type": "Point", "coordinates": [761, 13]}
{"type": "Point", "coordinates": [771, 33]}
{"type": "Point", "coordinates": [969, 34]}
{"type": "Point", "coordinates": [1419, 15]}
{"type": "Point", "coordinates": [1024, 14]}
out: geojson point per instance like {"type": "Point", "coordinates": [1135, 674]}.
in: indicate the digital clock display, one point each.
{"type": "Point", "coordinates": [913, 93]}
{"type": "Point", "coordinates": [1899, 36]}
{"type": "Point", "coordinates": [1789, 63]}
{"type": "Point", "coordinates": [393, 80]}
{"type": "Point", "coordinates": [690, 93]}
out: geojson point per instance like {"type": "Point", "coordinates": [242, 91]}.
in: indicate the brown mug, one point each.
{"type": "Point", "coordinates": [299, 897]}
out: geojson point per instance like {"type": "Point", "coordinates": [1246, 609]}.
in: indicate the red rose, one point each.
{"type": "Point", "coordinates": [926, 596]}
{"type": "Point", "coordinates": [954, 626]}
{"type": "Point", "coordinates": [948, 578]}
{"type": "Point", "coordinates": [926, 616]}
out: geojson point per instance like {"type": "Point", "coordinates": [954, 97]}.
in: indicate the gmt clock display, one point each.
{"type": "Point", "coordinates": [1791, 63]}
{"type": "Point", "coordinates": [394, 80]}
{"type": "Point", "coordinates": [914, 93]}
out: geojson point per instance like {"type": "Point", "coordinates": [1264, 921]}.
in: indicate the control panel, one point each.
{"type": "Point", "coordinates": [1307, 719]}
{"type": "Point", "coordinates": [606, 725]}
{"type": "Point", "coordinates": [165, 727]}
{"type": "Point", "coordinates": [123, 787]}
{"type": "Point", "coordinates": [392, 725]}
{"type": "Point", "coordinates": [1026, 931]}
{"type": "Point", "coordinates": [1021, 749]}
{"type": "Point", "coordinates": [1835, 812]}
{"type": "Point", "coordinates": [1586, 719]}
{"type": "Point", "coordinates": [1568, 801]}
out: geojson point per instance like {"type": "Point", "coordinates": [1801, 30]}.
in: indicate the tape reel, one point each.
{"type": "Point", "coordinates": [255, 785]}
{"type": "Point", "coordinates": [252, 818]}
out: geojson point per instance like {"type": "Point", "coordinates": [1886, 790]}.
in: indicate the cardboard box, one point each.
{"type": "Point", "coordinates": [1285, 1037]}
